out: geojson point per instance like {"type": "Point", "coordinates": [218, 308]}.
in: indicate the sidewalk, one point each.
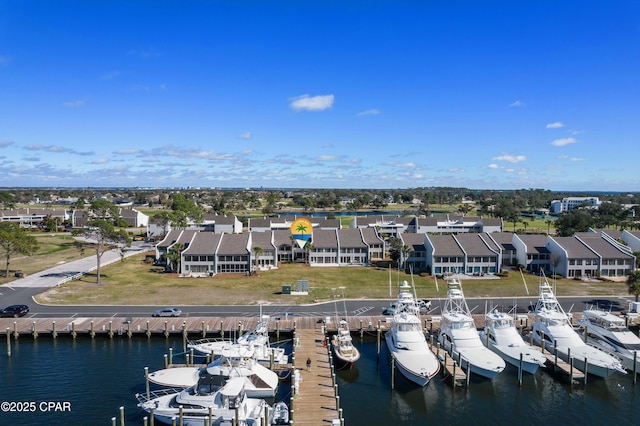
{"type": "Point", "coordinates": [66, 271]}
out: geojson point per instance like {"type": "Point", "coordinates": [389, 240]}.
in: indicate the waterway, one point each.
{"type": "Point", "coordinates": [93, 378]}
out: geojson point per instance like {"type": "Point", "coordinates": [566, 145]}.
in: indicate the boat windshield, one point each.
{"type": "Point", "coordinates": [463, 325]}
{"type": "Point", "coordinates": [409, 327]}
{"type": "Point", "coordinates": [503, 323]}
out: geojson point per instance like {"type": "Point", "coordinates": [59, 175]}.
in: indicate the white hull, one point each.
{"type": "Point", "coordinates": [478, 360]}
{"type": "Point", "coordinates": [200, 416]}
{"type": "Point", "coordinates": [502, 337]}
{"type": "Point", "coordinates": [418, 366]}
{"type": "Point", "coordinates": [597, 364]}
{"type": "Point", "coordinates": [342, 344]}
{"type": "Point", "coordinates": [627, 359]}
{"type": "Point", "coordinates": [552, 325]}
{"type": "Point", "coordinates": [529, 363]}
{"type": "Point", "coordinates": [609, 333]}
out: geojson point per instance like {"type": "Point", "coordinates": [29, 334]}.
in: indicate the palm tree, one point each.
{"type": "Point", "coordinates": [525, 223]}
{"type": "Point", "coordinates": [257, 251]}
{"type": "Point", "coordinates": [633, 281]}
{"type": "Point", "coordinates": [548, 222]}
{"type": "Point", "coordinates": [174, 256]}
{"type": "Point", "coordinates": [308, 247]}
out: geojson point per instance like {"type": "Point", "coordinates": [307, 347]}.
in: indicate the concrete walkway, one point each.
{"type": "Point", "coordinates": [66, 271]}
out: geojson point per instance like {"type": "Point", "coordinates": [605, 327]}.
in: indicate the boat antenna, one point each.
{"type": "Point", "coordinates": [524, 281]}
{"type": "Point", "coordinates": [415, 295]}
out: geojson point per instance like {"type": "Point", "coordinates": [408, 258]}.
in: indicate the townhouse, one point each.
{"type": "Point", "coordinates": [31, 218]}
{"type": "Point", "coordinates": [455, 224]}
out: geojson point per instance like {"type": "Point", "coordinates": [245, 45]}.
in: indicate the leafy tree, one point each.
{"type": "Point", "coordinates": [50, 223]}
{"type": "Point", "coordinates": [7, 201]}
{"type": "Point", "coordinates": [574, 221]}
{"type": "Point", "coordinates": [395, 249]}
{"type": "Point", "coordinates": [106, 237]}
{"type": "Point", "coordinates": [15, 240]}
{"type": "Point", "coordinates": [104, 209]}
{"type": "Point", "coordinates": [162, 219]}
{"type": "Point", "coordinates": [179, 203]}
{"type": "Point", "coordinates": [633, 281]}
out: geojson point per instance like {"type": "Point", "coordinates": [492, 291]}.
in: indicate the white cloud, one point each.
{"type": "Point", "coordinates": [311, 103]}
{"type": "Point", "coordinates": [55, 148]}
{"type": "Point", "coordinates": [456, 170]}
{"type": "Point", "coordinates": [74, 104]}
{"type": "Point", "coordinates": [493, 166]}
{"type": "Point", "coordinates": [326, 158]}
{"type": "Point", "coordinates": [568, 158]}
{"type": "Point", "coordinates": [555, 125]}
{"type": "Point", "coordinates": [368, 112]}
{"type": "Point", "coordinates": [4, 144]}
{"type": "Point", "coordinates": [245, 135]}
{"type": "Point", "coordinates": [111, 75]}
{"type": "Point", "coordinates": [103, 160]}
{"type": "Point", "coordinates": [510, 158]}
{"type": "Point", "coordinates": [408, 165]}
{"type": "Point", "coordinates": [127, 151]}
{"type": "Point", "coordinates": [517, 104]}
{"type": "Point", "coordinates": [563, 141]}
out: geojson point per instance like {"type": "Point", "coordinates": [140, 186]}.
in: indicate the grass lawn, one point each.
{"type": "Point", "coordinates": [54, 249]}
{"type": "Point", "coordinates": [135, 281]}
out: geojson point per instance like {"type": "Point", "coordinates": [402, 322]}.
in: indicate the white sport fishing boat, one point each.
{"type": "Point", "coordinates": [610, 333]}
{"type": "Point", "coordinates": [501, 336]}
{"type": "Point", "coordinates": [256, 340]}
{"type": "Point", "coordinates": [342, 344]}
{"type": "Point", "coordinates": [406, 340]}
{"type": "Point", "coordinates": [259, 381]}
{"type": "Point", "coordinates": [551, 327]}
{"type": "Point", "coordinates": [459, 336]}
{"type": "Point", "coordinates": [207, 403]}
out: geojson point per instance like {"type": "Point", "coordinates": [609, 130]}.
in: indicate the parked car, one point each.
{"type": "Point", "coordinates": [14, 311]}
{"type": "Point", "coordinates": [167, 312]}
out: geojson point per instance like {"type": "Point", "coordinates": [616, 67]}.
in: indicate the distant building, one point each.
{"type": "Point", "coordinates": [568, 204]}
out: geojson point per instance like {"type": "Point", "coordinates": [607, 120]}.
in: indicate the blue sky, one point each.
{"type": "Point", "coordinates": [319, 94]}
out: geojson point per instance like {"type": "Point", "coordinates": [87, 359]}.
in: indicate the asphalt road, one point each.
{"type": "Point", "coordinates": [22, 291]}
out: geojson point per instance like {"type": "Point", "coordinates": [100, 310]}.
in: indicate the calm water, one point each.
{"type": "Point", "coordinates": [97, 376]}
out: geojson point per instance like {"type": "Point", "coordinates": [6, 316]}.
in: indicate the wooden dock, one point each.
{"type": "Point", "coordinates": [556, 365]}
{"type": "Point", "coordinates": [317, 401]}
{"type": "Point", "coordinates": [449, 367]}
{"type": "Point", "coordinates": [193, 326]}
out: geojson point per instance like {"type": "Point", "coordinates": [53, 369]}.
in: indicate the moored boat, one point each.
{"type": "Point", "coordinates": [501, 336]}
{"type": "Point", "coordinates": [459, 337]}
{"type": "Point", "coordinates": [610, 333]}
{"type": "Point", "coordinates": [256, 340]}
{"type": "Point", "coordinates": [259, 381]}
{"type": "Point", "coordinates": [552, 328]}
{"type": "Point", "coordinates": [207, 403]}
{"type": "Point", "coordinates": [342, 343]}
{"type": "Point", "coordinates": [407, 343]}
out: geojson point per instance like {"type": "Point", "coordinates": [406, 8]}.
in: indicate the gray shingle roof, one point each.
{"type": "Point", "coordinates": [234, 244]}
{"type": "Point", "coordinates": [349, 238]}
{"type": "Point", "coordinates": [445, 245]}
{"type": "Point", "coordinates": [203, 243]}
{"type": "Point", "coordinates": [575, 248]}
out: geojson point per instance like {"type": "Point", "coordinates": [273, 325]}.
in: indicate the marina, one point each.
{"type": "Point", "coordinates": [323, 391]}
